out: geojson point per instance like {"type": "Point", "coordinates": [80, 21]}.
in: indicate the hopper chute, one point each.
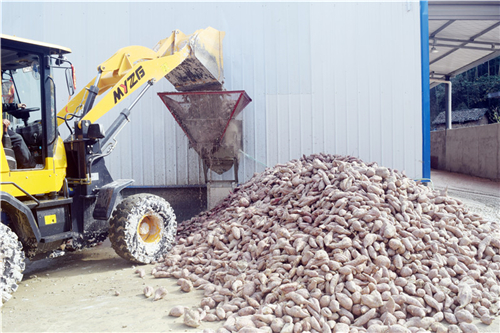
{"type": "Point", "coordinates": [207, 119]}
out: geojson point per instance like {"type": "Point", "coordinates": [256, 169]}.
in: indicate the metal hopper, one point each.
{"type": "Point", "coordinates": [207, 118]}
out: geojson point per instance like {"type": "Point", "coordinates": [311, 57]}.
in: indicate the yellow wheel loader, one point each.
{"type": "Point", "coordinates": [65, 197]}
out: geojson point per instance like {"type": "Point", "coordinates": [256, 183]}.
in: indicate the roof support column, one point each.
{"type": "Point", "coordinates": [447, 91]}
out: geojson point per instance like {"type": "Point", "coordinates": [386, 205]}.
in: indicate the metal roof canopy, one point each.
{"type": "Point", "coordinates": [463, 35]}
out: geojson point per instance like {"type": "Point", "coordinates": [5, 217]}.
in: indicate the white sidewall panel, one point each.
{"type": "Point", "coordinates": [337, 77]}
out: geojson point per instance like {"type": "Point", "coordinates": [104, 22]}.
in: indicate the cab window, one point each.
{"type": "Point", "coordinates": [21, 84]}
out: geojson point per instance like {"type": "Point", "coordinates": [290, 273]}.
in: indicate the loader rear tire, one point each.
{"type": "Point", "coordinates": [142, 228]}
{"type": "Point", "coordinates": [11, 262]}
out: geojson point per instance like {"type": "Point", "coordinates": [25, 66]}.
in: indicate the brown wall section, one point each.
{"type": "Point", "coordinates": [480, 122]}
{"type": "Point", "coordinates": [472, 151]}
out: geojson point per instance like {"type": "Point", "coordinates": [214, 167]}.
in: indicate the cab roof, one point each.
{"type": "Point", "coordinates": [21, 52]}
{"type": "Point", "coordinates": [32, 45]}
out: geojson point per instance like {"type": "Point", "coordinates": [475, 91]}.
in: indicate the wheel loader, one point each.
{"type": "Point", "coordinates": [69, 200]}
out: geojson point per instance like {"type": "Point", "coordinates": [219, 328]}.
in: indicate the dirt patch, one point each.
{"type": "Point", "coordinates": [77, 293]}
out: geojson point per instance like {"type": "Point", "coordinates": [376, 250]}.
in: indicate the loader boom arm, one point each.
{"type": "Point", "coordinates": [180, 58]}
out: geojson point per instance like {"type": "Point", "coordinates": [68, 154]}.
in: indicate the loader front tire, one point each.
{"type": "Point", "coordinates": [11, 262]}
{"type": "Point", "coordinates": [142, 228]}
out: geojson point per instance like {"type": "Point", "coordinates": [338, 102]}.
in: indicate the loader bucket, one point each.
{"type": "Point", "coordinates": [203, 69]}
{"type": "Point", "coordinates": [207, 119]}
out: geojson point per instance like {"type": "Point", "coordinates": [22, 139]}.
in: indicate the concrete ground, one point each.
{"type": "Point", "coordinates": [464, 183]}
{"type": "Point", "coordinates": [94, 290]}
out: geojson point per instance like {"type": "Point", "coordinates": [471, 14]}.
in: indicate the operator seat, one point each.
{"type": "Point", "coordinates": [9, 152]}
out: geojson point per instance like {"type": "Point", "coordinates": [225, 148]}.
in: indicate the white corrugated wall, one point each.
{"type": "Point", "coordinates": [338, 77]}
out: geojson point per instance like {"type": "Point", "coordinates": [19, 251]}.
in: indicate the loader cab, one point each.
{"type": "Point", "coordinates": [27, 69]}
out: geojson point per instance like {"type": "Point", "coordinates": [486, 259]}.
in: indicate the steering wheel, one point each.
{"type": "Point", "coordinates": [20, 113]}
{"type": "Point", "coordinates": [23, 114]}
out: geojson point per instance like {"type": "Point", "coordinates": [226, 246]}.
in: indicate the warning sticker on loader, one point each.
{"type": "Point", "coordinates": [50, 219]}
